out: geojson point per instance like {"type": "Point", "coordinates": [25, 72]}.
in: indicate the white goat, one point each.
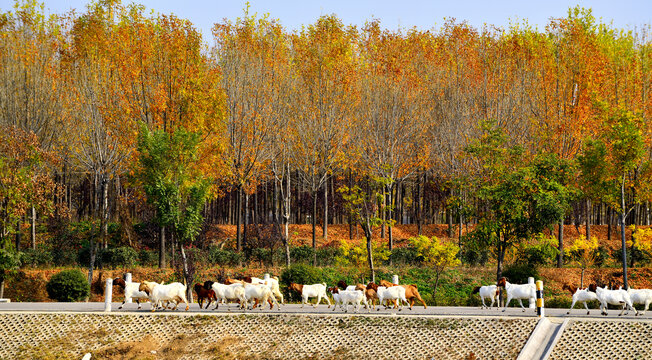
{"type": "Point", "coordinates": [229, 292]}
{"type": "Point", "coordinates": [308, 291]}
{"type": "Point", "coordinates": [517, 291]}
{"type": "Point", "coordinates": [641, 296]}
{"type": "Point", "coordinates": [353, 297]}
{"type": "Point", "coordinates": [487, 291]}
{"type": "Point", "coordinates": [392, 293]}
{"type": "Point", "coordinates": [613, 297]}
{"type": "Point", "coordinates": [158, 293]}
{"type": "Point", "coordinates": [272, 283]}
{"type": "Point", "coordinates": [131, 291]}
{"type": "Point", "coordinates": [581, 295]}
{"type": "Point", "coordinates": [260, 293]}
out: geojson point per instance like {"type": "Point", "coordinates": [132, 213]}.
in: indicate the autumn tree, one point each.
{"type": "Point", "coordinates": [249, 53]}
{"type": "Point", "coordinates": [324, 58]}
{"type": "Point", "coordinates": [30, 95]}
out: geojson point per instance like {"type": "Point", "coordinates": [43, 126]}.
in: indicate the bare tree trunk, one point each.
{"type": "Point", "coordinates": [588, 219]}
{"type": "Point", "coordinates": [325, 226]}
{"type": "Point", "coordinates": [418, 214]}
{"type": "Point", "coordinates": [622, 232]}
{"type": "Point", "coordinates": [560, 237]}
{"type": "Point", "coordinates": [370, 258]}
{"type": "Point", "coordinates": [314, 227]}
{"type": "Point", "coordinates": [286, 217]}
{"type": "Point", "coordinates": [350, 216]}
{"type": "Point", "coordinates": [2, 288]}
{"type": "Point", "coordinates": [186, 276]}
{"type": "Point", "coordinates": [33, 228]}
{"type": "Point", "coordinates": [390, 240]}
{"type": "Point", "coordinates": [238, 218]}
{"type": "Point", "coordinates": [19, 235]}
{"type": "Point", "coordinates": [105, 211]}
{"type": "Point", "coordinates": [609, 222]}
{"type": "Point", "coordinates": [161, 248]}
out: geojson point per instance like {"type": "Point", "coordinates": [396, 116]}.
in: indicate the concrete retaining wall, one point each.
{"type": "Point", "coordinates": [264, 336]}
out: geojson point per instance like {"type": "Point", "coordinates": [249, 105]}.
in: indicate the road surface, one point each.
{"type": "Point", "coordinates": [321, 309]}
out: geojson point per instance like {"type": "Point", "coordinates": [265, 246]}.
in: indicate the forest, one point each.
{"type": "Point", "coordinates": [125, 130]}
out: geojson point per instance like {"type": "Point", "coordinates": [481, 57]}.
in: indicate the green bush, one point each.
{"type": "Point", "coordinates": [326, 256]}
{"type": "Point", "coordinates": [148, 257]}
{"type": "Point", "coordinates": [68, 286]}
{"type": "Point", "coordinates": [63, 257]}
{"type": "Point", "coordinates": [519, 273]}
{"type": "Point", "coordinates": [474, 257]}
{"type": "Point", "coordinates": [406, 256]}
{"type": "Point", "coordinates": [301, 254]}
{"type": "Point", "coordinates": [261, 255]}
{"type": "Point", "coordinates": [221, 257]}
{"type": "Point", "coordinates": [197, 255]}
{"type": "Point", "coordinates": [123, 256]}
{"type": "Point", "coordinates": [300, 274]}
{"type": "Point", "coordinates": [40, 256]}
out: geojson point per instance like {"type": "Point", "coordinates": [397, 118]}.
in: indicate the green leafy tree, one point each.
{"type": "Point", "coordinates": [9, 262]}
{"type": "Point", "coordinates": [173, 185]}
{"type": "Point", "coordinates": [523, 197]}
{"type": "Point", "coordinates": [615, 167]}
{"type": "Point", "coordinates": [440, 255]}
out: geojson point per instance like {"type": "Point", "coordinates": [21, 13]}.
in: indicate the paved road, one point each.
{"type": "Point", "coordinates": [321, 309]}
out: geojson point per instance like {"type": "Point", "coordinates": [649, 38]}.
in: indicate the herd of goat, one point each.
{"type": "Point", "coordinates": [251, 292]}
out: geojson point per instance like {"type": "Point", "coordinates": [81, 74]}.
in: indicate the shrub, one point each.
{"type": "Point", "coordinates": [406, 256]}
{"type": "Point", "coordinates": [300, 274]}
{"type": "Point", "coordinates": [223, 257]}
{"type": "Point", "coordinates": [326, 256]}
{"type": "Point", "coordinates": [543, 252]}
{"type": "Point", "coordinates": [519, 273]}
{"type": "Point", "coordinates": [261, 255]}
{"type": "Point", "coordinates": [65, 257]}
{"type": "Point", "coordinates": [148, 257]}
{"type": "Point", "coordinates": [475, 257]}
{"type": "Point", "coordinates": [123, 256]}
{"type": "Point", "coordinates": [40, 256]}
{"type": "Point", "coordinates": [198, 256]}
{"type": "Point", "coordinates": [301, 254]}
{"type": "Point", "coordinates": [67, 286]}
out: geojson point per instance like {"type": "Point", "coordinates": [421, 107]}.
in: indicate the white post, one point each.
{"type": "Point", "coordinates": [108, 292]}
{"type": "Point", "coordinates": [128, 280]}
{"type": "Point", "coordinates": [266, 277]}
{"type": "Point", "coordinates": [394, 279]}
{"type": "Point", "coordinates": [533, 300]}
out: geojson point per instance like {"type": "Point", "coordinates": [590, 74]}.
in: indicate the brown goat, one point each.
{"type": "Point", "coordinates": [204, 294]}
{"type": "Point", "coordinates": [411, 293]}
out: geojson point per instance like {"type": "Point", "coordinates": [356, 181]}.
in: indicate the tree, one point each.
{"type": "Point", "coordinates": [9, 262]}
{"type": "Point", "coordinates": [249, 53]}
{"type": "Point", "coordinates": [324, 59]}
{"type": "Point", "coordinates": [173, 184]}
{"type": "Point", "coordinates": [23, 182]}
{"type": "Point", "coordinates": [615, 163]}
{"type": "Point", "coordinates": [583, 251]}
{"type": "Point", "coordinates": [523, 197]}
{"type": "Point", "coordinates": [437, 254]}
{"type": "Point", "coordinates": [366, 209]}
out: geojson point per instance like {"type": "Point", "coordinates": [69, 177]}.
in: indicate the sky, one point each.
{"type": "Point", "coordinates": [626, 14]}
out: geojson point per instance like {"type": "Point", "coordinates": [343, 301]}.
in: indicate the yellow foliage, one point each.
{"type": "Point", "coordinates": [357, 254]}
{"type": "Point", "coordinates": [583, 250]}
{"type": "Point", "coordinates": [435, 252]}
{"type": "Point", "coordinates": [642, 238]}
